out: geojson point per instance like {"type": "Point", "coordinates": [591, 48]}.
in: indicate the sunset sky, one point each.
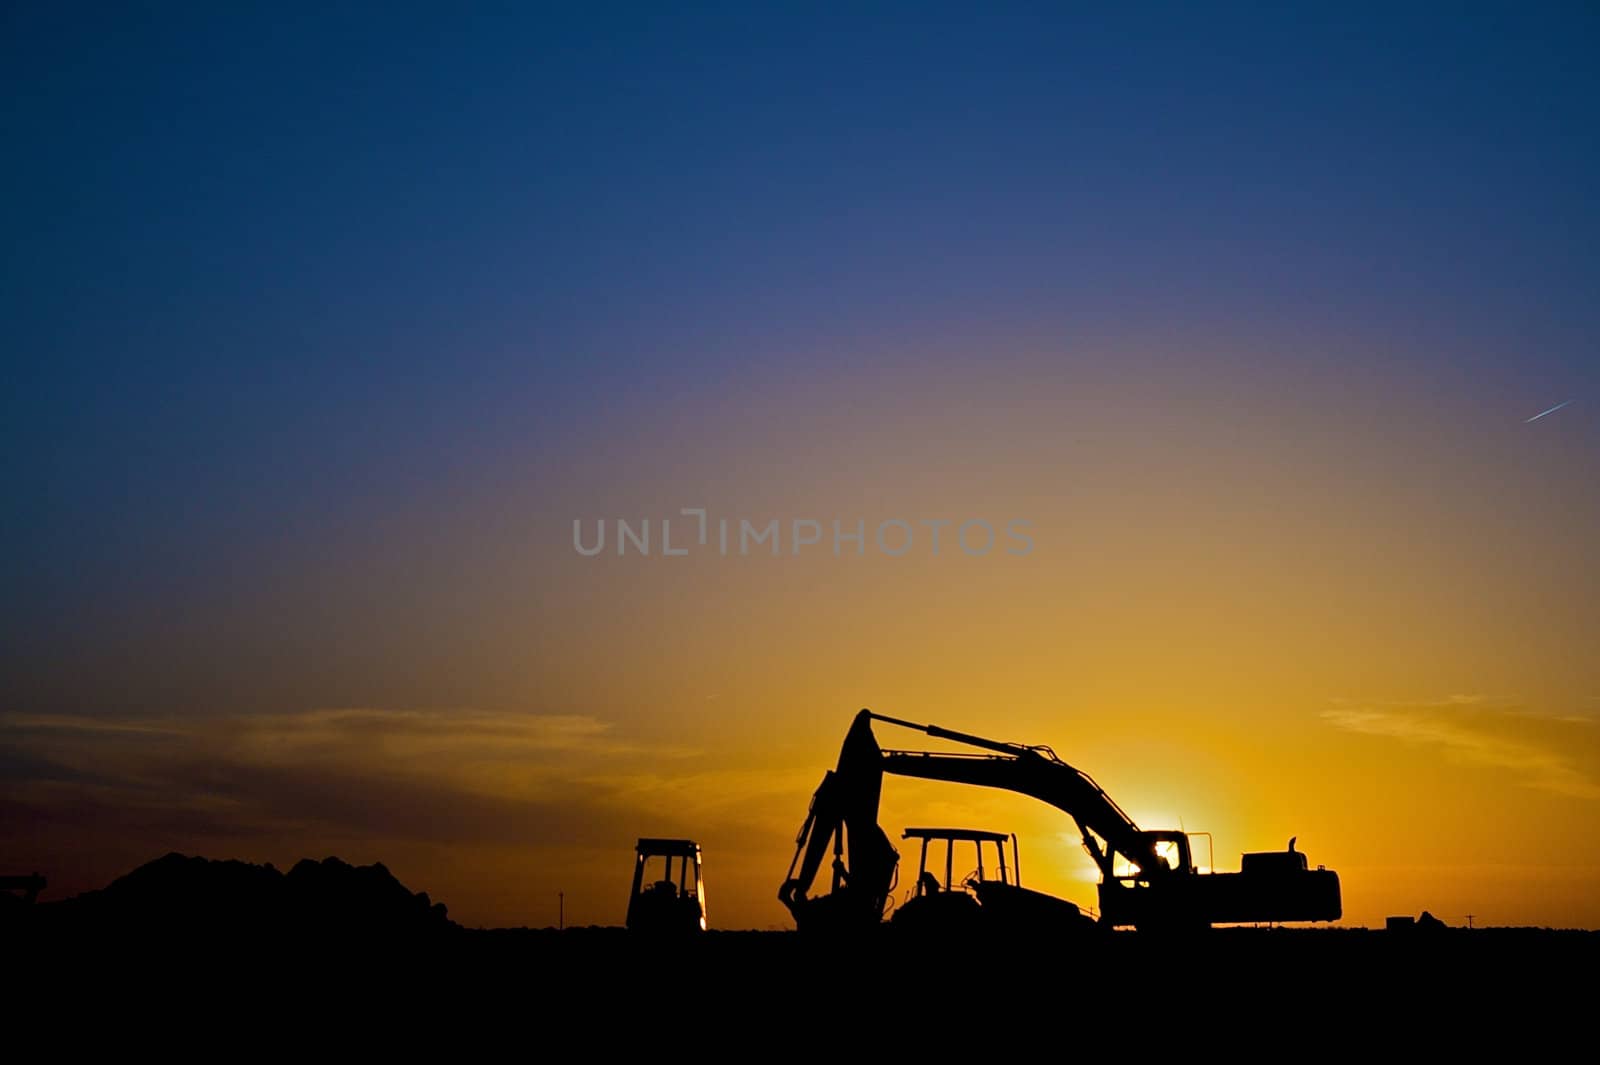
{"type": "Point", "coordinates": [322, 329]}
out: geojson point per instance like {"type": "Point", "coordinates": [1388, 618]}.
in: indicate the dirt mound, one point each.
{"type": "Point", "coordinates": [192, 898]}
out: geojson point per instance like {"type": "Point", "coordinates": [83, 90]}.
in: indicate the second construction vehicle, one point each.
{"type": "Point", "coordinates": [661, 900]}
{"type": "Point", "coordinates": [1148, 878]}
{"type": "Point", "coordinates": [988, 898]}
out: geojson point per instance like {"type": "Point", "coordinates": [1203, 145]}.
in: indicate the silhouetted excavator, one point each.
{"type": "Point", "coordinates": [1148, 878]}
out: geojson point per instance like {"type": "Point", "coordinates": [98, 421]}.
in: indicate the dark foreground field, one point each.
{"type": "Point", "coordinates": [338, 942]}
{"type": "Point", "coordinates": [1227, 987]}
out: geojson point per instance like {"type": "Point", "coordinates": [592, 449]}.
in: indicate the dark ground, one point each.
{"type": "Point", "coordinates": [336, 942]}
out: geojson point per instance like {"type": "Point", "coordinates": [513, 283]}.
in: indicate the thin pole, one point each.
{"type": "Point", "coordinates": [561, 910]}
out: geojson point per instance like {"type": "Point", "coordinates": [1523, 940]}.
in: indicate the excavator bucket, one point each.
{"type": "Point", "coordinates": [844, 813]}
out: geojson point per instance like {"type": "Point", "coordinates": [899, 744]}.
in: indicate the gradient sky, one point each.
{"type": "Point", "coordinates": [322, 328]}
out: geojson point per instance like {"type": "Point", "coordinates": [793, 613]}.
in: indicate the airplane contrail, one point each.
{"type": "Point", "coordinates": [1542, 413]}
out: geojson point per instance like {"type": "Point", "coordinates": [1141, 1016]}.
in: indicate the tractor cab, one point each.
{"type": "Point", "coordinates": [669, 893]}
{"type": "Point", "coordinates": [928, 881]}
{"type": "Point", "coordinates": [953, 902]}
{"type": "Point", "coordinates": [988, 897]}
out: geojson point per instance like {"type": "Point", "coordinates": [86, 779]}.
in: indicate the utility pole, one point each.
{"type": "Point", "coordinates": [561, 911]}
{"type": "Point", "coordinates": [1469, 922]}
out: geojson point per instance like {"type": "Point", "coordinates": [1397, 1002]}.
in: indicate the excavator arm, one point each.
{"type": "Point", "coordinates": [1104, 837]}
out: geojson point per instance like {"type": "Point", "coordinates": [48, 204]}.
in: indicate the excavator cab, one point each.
{"type": "Point", "coordinates": [669, 893]}
{"type": "Point", "coordinates": [1170, 852]}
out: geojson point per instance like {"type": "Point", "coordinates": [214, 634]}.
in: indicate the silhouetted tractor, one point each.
{"type": "Point", "coordinates": [989, 898]}
{"type": "Point", "coordinates": [669, 894]}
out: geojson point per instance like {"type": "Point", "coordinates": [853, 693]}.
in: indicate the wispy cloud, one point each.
{"type": "Point", "coordinates": [1478, 731]}
{"type": "Point", "coordinates": [366, 774]}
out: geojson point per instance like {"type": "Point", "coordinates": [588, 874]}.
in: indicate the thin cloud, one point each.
{"type": "Point", "coordinates": [368, 774]}
{"type": "Point", "coordinates": [1474, 731]}
{"type": "Point", "coordinates": [1543, 413]}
